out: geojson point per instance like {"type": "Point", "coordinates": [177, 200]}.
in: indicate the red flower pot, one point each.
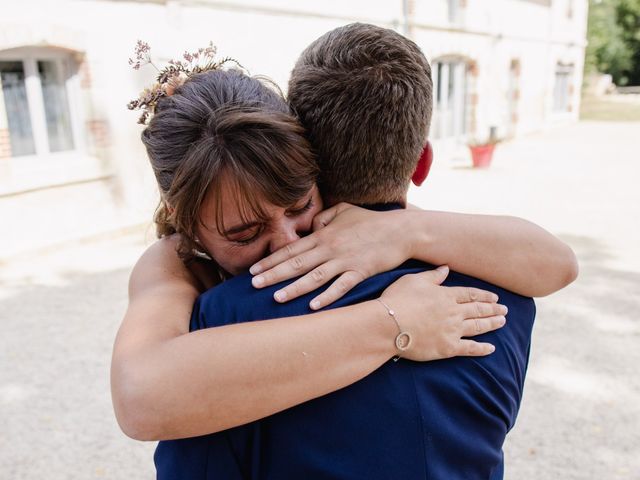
{"type": "Point", "coordinates": [481, 155]}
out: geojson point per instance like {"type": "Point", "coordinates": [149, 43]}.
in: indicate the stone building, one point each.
{"type": "Point", "coordinates": [71, 163]}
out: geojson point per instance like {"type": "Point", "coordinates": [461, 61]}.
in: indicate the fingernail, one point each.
{"type": "Point", "coordinates": [502, 321]}
{"type": "Point", "coordinates": [280, 296]}
{"type": "Point", "coordinates": [257, 281]}
{"type": "Point", "coordinates": [255, 269]}
{"type": "Point", "coordinates": [496, 298]}
{"type": "Point", "coordinates": [443, 268]}
{"type": "Point", "coordinates": [492, 349]}
{"type": "Point", "coordinates": [315, 304]}
{"type": "Point", "coordinates": [506, 310]}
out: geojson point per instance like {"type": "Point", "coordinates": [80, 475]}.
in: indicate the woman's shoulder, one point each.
{"type": "Point", "coordinates": [161, 254]}
{"type": "Point", "coordinates": [160, 264]}
{"type": "Point", "coordinates": [165, 246]}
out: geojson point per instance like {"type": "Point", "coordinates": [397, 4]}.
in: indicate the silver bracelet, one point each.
{"type": "Point", "coordinates": [403, 339]}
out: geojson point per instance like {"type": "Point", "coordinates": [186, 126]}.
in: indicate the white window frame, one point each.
{"type": "Point", "coordinates": [565, 71]}
{"type": "Point", "coordinates": [29, 56]}
{"type": "Point", "coordinates": [450, 121]}
{"type": "Point", "coordinates": [454, 12]}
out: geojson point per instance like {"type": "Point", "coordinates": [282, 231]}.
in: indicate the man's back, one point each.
{"type": "Point", "coordinates": [445, 419]}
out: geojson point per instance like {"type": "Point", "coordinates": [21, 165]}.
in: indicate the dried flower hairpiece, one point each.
{"type": "Point", "coordinates": [172, 76]}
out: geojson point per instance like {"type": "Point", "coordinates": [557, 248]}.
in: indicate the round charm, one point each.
{"type": "Point", "coordinates": [403, 341]}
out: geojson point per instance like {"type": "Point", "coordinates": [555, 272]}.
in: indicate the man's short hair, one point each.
{"type": "Point", "coordinates": [364, 94]}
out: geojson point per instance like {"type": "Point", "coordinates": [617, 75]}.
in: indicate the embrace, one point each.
{"type": "Point", "coordinates": [290, 322]}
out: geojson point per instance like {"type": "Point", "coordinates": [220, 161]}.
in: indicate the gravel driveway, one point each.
{"type": "Point", "coordinates": [580, 418]}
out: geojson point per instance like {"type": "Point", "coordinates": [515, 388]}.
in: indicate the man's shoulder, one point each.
{"type": "Point", "coordinates": [238, 299]}
{"type": "Point", "coordinates": [238, 285]}
{"type": "Point", "coordinates": [241, 291]}
{"type": "Point", "coordinates": [229, 302]}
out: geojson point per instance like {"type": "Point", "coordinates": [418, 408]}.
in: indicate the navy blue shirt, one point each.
{"type": "Point", "coordinates": [443, 419]}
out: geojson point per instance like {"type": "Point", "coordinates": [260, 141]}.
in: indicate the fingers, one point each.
{"type": "Point", "coordinates": [316, 278]}
{"type": "Point", "coordinates": [477, 326]}
{"type": "Point", "coordinates": [482, 309]}
{"type": "Point", "coordinates": [285, 263]}
{"type": "Point", "coordinates": [305, 284]}
{"type": "Point", "coordinates": [443, 272]}
{"type": "Point", "coordinates": [323, 218]}
{"type": "Point", "coordinates": [342, 285]}
{"type": "Point", "coordinates": [436, 276]}
{"type": "Point", "coordinates": [470, 348]}
{"type": "Point", "coordinates": [468, 294]}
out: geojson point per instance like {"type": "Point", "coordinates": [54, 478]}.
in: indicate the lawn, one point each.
{"type": "Point", "coordinates": [616, 108]}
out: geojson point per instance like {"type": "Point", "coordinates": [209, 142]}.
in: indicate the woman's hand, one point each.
{"type": "Point", "coordinates": [348, 241]}
{"type": "Point", "coordinates": [438, 318]}
{"type": "Point", "coordinates": [353, 244]}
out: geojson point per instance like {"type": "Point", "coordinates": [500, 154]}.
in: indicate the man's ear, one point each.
{"type": "Point", "coordinates": [424, 165]}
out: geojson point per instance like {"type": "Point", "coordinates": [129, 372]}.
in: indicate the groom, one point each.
{"type": "Point", "coordinates": [364, 95]}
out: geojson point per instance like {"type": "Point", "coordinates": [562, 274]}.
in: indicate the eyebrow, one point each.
{"type": "Point", "coordinates": [246, 226]}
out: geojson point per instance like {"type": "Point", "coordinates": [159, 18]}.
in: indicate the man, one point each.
{"type": "Point", "coordinates": [364, 95]}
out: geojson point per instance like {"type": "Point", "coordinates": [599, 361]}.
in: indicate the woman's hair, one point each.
{"type": "Point", "coordinates": [224, 126]}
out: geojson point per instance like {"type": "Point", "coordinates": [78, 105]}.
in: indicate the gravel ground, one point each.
{"type": "Point", "coordinates": [580, 418]}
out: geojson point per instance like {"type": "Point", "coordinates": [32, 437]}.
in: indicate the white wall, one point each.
{"type": "Point", "coordinates": [266, 36]}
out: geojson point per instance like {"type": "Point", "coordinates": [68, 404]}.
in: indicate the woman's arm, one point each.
{"type": "Point", "coordinates": [356, 243]}
{"type": "Point", "coordinates": [510, 252]}
{"type": "Point", "coordinates": [169, 383]}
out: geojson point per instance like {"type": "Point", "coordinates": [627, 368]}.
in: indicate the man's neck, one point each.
{"type": "Point", "coordinates": [383, 207]}
{"type": "Point", "coordinates": [378, 206]}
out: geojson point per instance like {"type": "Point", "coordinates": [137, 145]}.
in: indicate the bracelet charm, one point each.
{"type": "Point", "coordinates": [403, 339]}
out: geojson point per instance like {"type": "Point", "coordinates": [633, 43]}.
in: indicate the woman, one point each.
{"type": "Point", "coordinates": [237, 182]}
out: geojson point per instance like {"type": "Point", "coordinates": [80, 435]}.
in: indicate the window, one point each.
{"type": "Point", "coordinates": [36, 102]}
{"type": "Point", "coordinates": [56, 106]}
{"type": "Point", "coordinates": [449, 118]}
{"type": "Point", "coordinates": [453, 8]}
{"type": "Point", "coordinates": [16, 106]}
{"type": "Point", "coordinates": [562, 88]}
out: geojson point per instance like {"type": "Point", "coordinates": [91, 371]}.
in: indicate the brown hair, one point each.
{"type": "Point", "coordinates": [364, 94]}
{"type": "Point", "coordinates": [224, 126]}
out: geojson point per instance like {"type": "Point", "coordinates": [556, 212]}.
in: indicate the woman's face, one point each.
{"type": "Point", "coordinates": [245, 241]}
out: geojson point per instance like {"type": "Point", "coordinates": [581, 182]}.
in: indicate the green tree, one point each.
{"type": "Point", "coordinates": [614, 39]}
{"type": "Point", "coordinates": [628, 15]}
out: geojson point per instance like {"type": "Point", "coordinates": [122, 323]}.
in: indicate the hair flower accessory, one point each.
{"type": "Point", "coordinates": [171, 77]}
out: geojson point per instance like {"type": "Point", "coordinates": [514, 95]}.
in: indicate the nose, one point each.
{"type": "Point", "coordinates": [284, 233]}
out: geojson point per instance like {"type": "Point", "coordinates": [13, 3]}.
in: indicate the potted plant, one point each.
{"type": "Point", "coordinates": [482, 150]}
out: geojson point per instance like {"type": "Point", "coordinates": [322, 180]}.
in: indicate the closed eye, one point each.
{"type": "Point", "coordinates": [299, 211]}
{"type": "Point", "coordinates": [250, 235]}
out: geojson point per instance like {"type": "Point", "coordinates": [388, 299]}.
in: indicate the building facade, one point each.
{"type": "Point", "coordinates": [69, 146]}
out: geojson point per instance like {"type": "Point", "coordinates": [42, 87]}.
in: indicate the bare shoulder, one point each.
{"type": "Point", "coordinates": [161, 266]}
{"type": "Point", "coordinates": [161, 296]}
